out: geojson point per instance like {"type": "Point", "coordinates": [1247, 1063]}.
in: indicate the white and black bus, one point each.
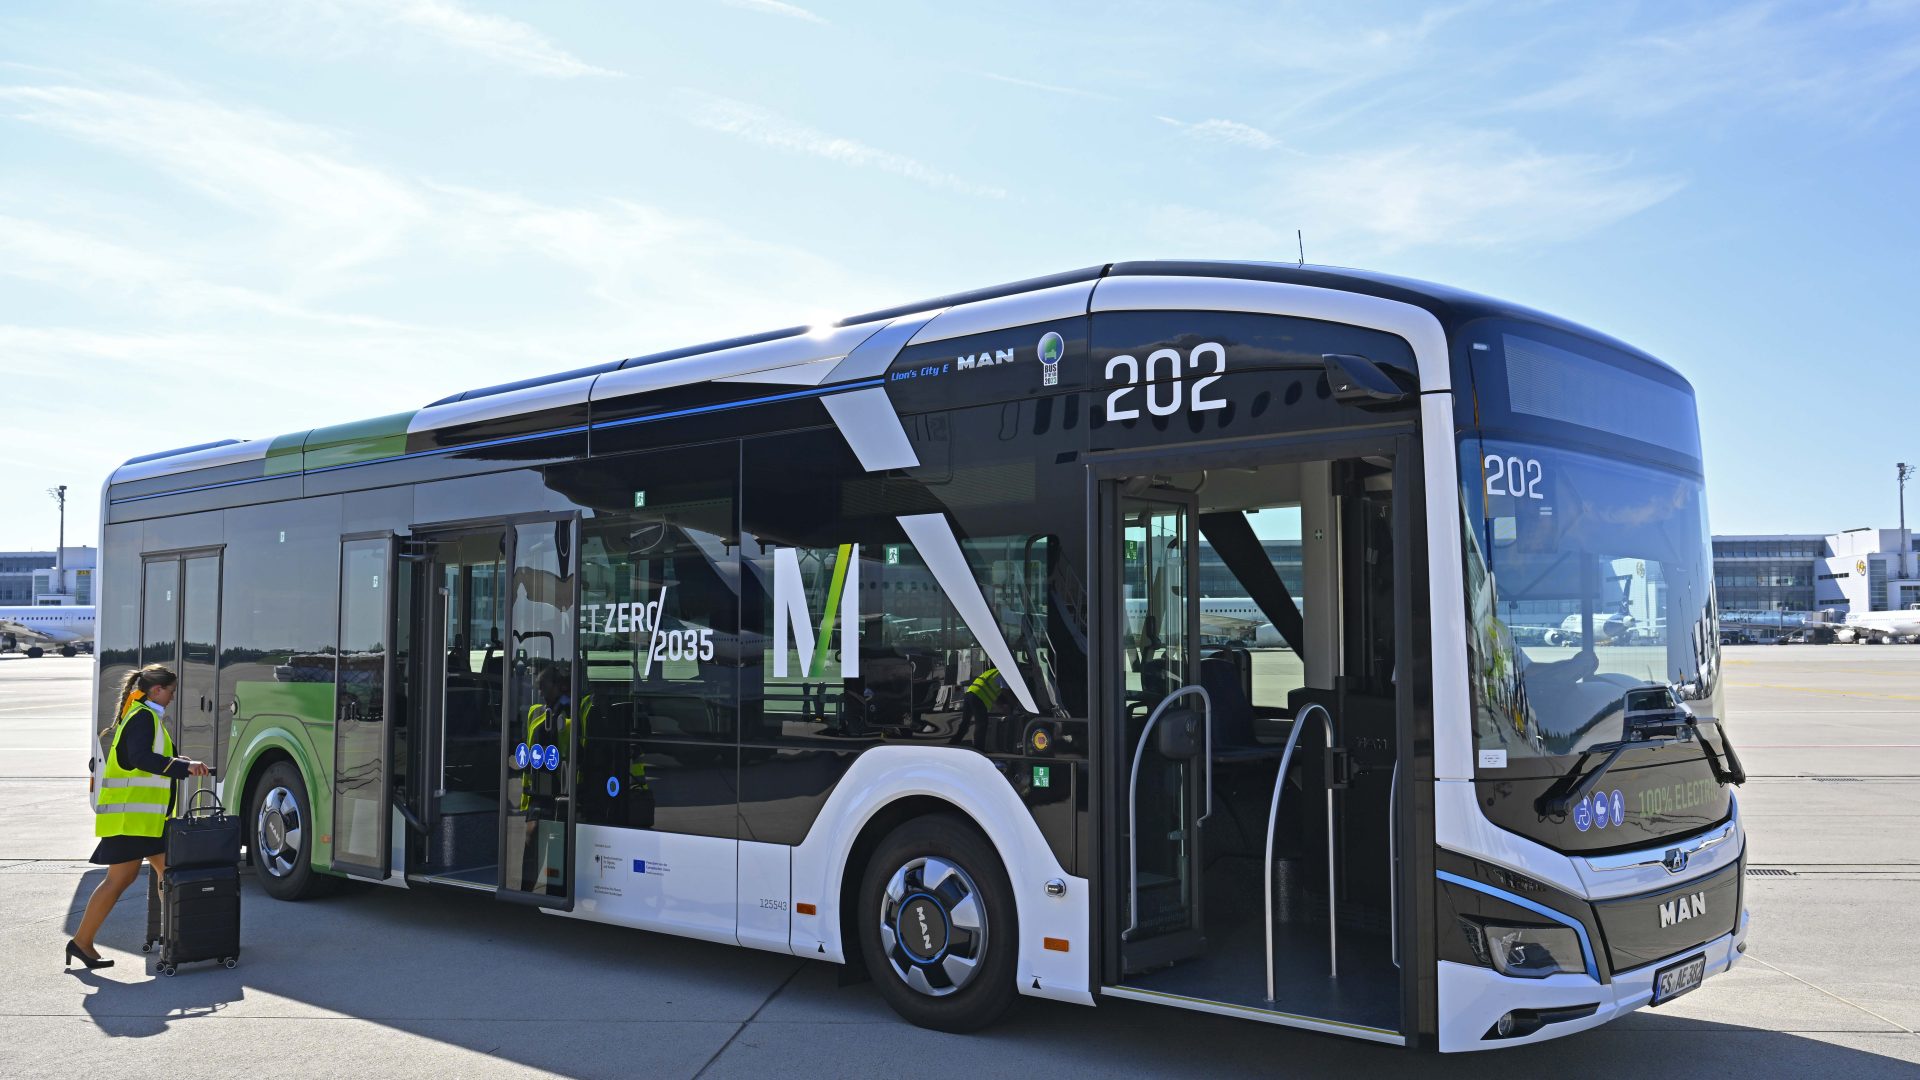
{"type": "Point", "coordinates": [1316, 647]}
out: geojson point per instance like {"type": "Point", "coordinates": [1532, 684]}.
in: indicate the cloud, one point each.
{"type": "Point", "coordinates": [261, 303]}
{"type": "Point", "coordinates": [493, 36]}
{"type": "Point", "coordinates": [776, 7]}
{"type": "Point", "coordinates": [1231, 132]}
{"type": "Point", "coordinates": [304, 25]}
{"type": "Point", "coordinates": [1848, 61]}
{"type": "Point", "coordinates": [767, 128]}
{"type": "Point", "coordinates": [332, 213]}
{"type": "Point", "coordinates": [1471, 189]}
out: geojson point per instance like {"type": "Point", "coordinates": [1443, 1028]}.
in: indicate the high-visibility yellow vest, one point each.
{"type": "Point", "coordinates": [986, 689]}
{"type": "Point", "coordinates": [130, 802]}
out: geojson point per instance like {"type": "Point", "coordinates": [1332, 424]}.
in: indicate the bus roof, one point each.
{"type": "Point", "coordinates": [763, 358]}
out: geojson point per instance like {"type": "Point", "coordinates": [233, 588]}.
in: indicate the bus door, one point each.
{"type": "Point", "coordinates": [363, 706]}
{"type": "Point", "coordinates": [1161, 728]}
{"type": "Point", "coordinates": [180, 627]}
{"type": "Point", "coordinates": [1253, 699]}
{"type": "Point", "coordinates": [454, 766]}
{"type": "Point", "coordinates": [545, 715]}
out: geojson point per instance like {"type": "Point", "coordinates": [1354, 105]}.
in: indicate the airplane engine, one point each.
{"type": "Point", "coordinates": [8, 643]}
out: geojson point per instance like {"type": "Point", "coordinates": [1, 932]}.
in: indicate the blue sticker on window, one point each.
{"type": "Point", "coordinates": [553, 757]}
{"type": "Point", "coordinates": [520, 756]}
{"type": "Point", "coordinates": [1619, 807]}
{"type": "Point", "coordinates": [613, 787]}
{"type": "Point", "coordinates": [1583, 815]}
{"type": "Point", "coordinates": [1601, 811]}
{"type": "Point", "coordinates": [639, 866]}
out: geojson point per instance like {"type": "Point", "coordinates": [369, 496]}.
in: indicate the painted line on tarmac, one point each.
{"type": "Point", "coordinates": [1831, 994]}
{"type": "Point", "coordinates": [1823, 690]}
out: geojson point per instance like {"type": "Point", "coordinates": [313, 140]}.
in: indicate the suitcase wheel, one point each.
{"type": "Point", "coordinates": [167, 970]}
{"type": "Point", "coordinates": [146, 946]}
{"type": "Point", "coordinates": [231, 962]}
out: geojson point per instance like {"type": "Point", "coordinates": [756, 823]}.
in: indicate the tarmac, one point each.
{"type": "Point", "coordinates": [384, 982]}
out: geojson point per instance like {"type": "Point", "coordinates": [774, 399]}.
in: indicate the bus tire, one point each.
{"type": "Point", "coordinates": [281, 836]}
{"type": "Point", "coordinates": [937, 923]}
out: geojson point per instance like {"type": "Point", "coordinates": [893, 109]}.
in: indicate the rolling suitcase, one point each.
{"type": "Point", "coordinates": [199, 895]}
{"type": "Point", "coordinates": [200, 916]}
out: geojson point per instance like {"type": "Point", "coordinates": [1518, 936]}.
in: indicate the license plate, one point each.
{"type": "Point", "coordinates": [1676, 979]}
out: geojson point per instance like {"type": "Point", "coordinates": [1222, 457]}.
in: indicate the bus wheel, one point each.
{"type": "Point", "coordinates": [937, 925]}
{"type": "Point", "coordinates": [283, 834]}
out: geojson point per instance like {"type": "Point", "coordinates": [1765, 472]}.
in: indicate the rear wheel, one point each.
{"type": "Point", "coordinates": [282, 839]}
{"type": "Point", "coordinates": [937, 924]}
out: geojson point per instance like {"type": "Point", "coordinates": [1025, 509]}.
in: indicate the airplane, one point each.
{"type": "Point", "coordinates": [1877, 627]}
{"type": "Point", "coordinates": [65, 626]}
{"type": "Point", "coordinates": [1225, 618]}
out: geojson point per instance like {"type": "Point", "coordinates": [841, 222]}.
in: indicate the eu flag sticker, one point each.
{"type": "Point", "coordinates": [639, 866]}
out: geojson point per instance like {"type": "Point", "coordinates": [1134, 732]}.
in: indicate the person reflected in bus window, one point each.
{"type": "Point", "coordinates": [978, 706]}
{"type": "Point", "coordinates": [133, 795]}
{"type": "Point", "coordinates": [549, 723]}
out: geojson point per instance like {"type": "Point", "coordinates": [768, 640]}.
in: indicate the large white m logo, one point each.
{"type": "Point", "coordinates": [792, 616]}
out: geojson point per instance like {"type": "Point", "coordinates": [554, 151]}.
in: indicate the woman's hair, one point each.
{"type": "Point", "coordinates": [142, 680]}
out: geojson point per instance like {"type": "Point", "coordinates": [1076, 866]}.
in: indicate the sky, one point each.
{"type": "Point", "coordinates": [226, 219]}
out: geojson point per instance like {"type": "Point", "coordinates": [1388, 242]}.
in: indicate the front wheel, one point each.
{"type": "Point", "coordinates": [937, 925]}
{"type": "Point", "coordinates": [283, 835]}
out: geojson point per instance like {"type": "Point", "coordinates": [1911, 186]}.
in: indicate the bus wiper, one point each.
{"type": "Point", "coordinates": [1567, 791]}
{"type": "Point", "coordinates": [1731, 772]}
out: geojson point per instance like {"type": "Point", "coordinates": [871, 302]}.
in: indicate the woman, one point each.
{"type": "Point", "coordinates": [133, 799]}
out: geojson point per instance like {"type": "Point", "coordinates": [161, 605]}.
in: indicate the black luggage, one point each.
{"type": "Point", "coordinates": [204, 835]}
{"type": "Point", "coordinates": [200, 916]}
{"type": "Point", "coordinates": [197, 913]}
{"type": "Point", "coordinates": [154, 934]}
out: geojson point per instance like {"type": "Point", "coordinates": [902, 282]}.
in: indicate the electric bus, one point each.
{"type": "Point", "coordinates": [882, 643]}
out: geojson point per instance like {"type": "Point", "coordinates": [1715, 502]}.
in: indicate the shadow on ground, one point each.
{"type": "Point", "coordinates": [582, 999]}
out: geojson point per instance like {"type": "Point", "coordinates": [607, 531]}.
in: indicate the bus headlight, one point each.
{"type": "Point", "coordinates": [1533, 952]}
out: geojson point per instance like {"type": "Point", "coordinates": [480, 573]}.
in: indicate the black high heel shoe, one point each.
{"type": "Point", "coordinates": [74, 953]}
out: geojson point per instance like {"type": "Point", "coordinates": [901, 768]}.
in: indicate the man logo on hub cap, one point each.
{"type": "Point", "coordinates": [923, 928]}
{"type": "Point", "coordinates": [1052, 348]}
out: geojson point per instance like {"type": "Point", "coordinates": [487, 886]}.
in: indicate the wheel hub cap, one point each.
{"type": "Point", "coordinates": [280, 832]}
{"type": "Point", "coordinates": [933, 926]}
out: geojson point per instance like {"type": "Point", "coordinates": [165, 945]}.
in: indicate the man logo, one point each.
{"type": "Point", "coordinates": [1680, 909]}
{"type": "Point", "coordinates": [1676, 860]}
{"type": "Point", "coordinates": [792, 616]}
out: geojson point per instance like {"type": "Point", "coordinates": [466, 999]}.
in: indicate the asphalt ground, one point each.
{"type": "Point", "coordinates": [380, 982]}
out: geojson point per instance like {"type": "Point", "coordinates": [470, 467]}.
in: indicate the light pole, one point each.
{"type": "Point", "coordinates": [59, 495]}
{"type": "Point", "coordinates": [1903, 470]}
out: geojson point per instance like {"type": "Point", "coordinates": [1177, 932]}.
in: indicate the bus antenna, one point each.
{"type": "Point", "coordinates": [1301, 239]}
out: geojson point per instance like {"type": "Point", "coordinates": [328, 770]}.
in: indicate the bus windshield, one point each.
{"type": "Point", "coordinates": [1588, 579]}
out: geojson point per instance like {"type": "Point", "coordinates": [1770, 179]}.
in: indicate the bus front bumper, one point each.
{"type": "Point", "coordinates": [1473, 999]}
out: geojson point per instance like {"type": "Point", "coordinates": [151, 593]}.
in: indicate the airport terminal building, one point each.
{"type": "Point", "coordinates": [34, 577]}
{"type": "Point", "coordinates": [1767, 577]}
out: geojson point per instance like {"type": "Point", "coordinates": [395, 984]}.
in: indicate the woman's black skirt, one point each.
{"type": "Point", "coordinates": [119, 849]}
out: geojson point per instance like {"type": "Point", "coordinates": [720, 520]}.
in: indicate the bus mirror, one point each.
{"type": "Point", "coordinates": [1356, 380]}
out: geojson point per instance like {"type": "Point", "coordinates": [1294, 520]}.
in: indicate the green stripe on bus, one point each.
{"type": "Point", "coordinates": [362, 440]}
{"type": "Point", "coordinates": [819, 665]}
{"type": "Point", "coordinates": [283, 454]}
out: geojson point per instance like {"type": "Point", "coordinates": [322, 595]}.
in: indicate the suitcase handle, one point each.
{"type": "Point", "coordinates": [194, 809]}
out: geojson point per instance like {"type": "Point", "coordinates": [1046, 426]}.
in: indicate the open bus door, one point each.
{"type": "Point", "coordinates": [1250, 762]}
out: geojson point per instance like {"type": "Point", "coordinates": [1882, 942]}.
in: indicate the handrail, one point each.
{"type": "Point", "coordinates": [1273, 816]}
{"type": "Point", "coordinates": [1133, 794]}
{"type": "Point", "coordinates": [1393, 863]}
